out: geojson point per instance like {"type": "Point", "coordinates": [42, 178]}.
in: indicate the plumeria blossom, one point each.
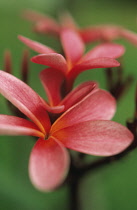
{"type": "Point", "coordinates": [74, 62]}
{"type": "Point", "coordinates": [47, 25]}
{"type": "Point", "coordinates": [84, 127]}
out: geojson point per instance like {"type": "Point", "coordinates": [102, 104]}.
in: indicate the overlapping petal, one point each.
{"type": "Point", "coordinates": [53, 109]}
{"type": "Point", "coordinates": [102, 56]}
{"type": "Point", "coordinates": [72, 45]}
{"type": "Point", "coordinates": [79, 93]}
{"type": "Point", "coordinates": [53, 60]}
{"type": "Point", "coordinates": [102, 138]}
{"type": "Point", "coordinates": [48, 165]}
{"type": "Point", "coordinates": [89, 64]}
{"type": "Point", "coordinates": [99, 105]}
{"type": "Point", "coordinates": [52, 80]}
{"type": "Point", "coordinates": [102, 62]}
{"type": "Point", "coordinates": [25, 99]}
{"type": "Point", "coordinates": [36, 46]}
{"type": "Point", "coordinates": [10, 125]}
{"type": "Point", "coordinates": [108, 50]}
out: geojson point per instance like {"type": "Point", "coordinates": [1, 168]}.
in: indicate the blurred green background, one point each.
{"type": "Point", "coordinates": [112, 187]}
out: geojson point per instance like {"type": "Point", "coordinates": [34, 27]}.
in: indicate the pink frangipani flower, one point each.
{"type": "Point", "coordinates": [84, 127]}
{"type": "Point", "coordinates": [102, 56]}
{"type": "Point", "coordinates": [47, 25]}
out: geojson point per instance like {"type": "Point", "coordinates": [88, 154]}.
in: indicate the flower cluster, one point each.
{"type": "Point", "coordinates": [45, 24]}
{"type": "Point", "coordinates": [73, 118]}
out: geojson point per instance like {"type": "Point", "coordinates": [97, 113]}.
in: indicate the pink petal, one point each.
{"type": "Point", "coordinates": [90, 64]}
{"type": "Point", "coordinates": [48, 165]}
{"type": "Point", "coordinates": [109, 32]}
{"type": "Point", "coordinates": [97, 105]}
{"type": "Point", "coordinates": [47, 27]}
{"type": "Point", "coordinates": [97, 63]}
{"type": "Point", "coordinates": [52, 80]}
{"type": "Point", "coordinates": [79, 93]}
{"type": "Point", "coordinates": [10, 125]}
{"type": "Point", "coordinates": [53, 109]}
{"type": "Point", "coordinates": [102, 138]}
{"type": "Point", "coordinates": [36, 46]}
{"type": "Point", "coordinates": [108, 50]}
{"type": "Point", "coordinates": [89, 34]}
{"type": "Point", "coordinates": [56, 109]}
{"type": "Point", "coordinates": [72, 45]}
{"type": "Point", "coordinates": [53, 60]}
{"type": "Point", "coordinates": [25, 99]}
{"type": "Point", "coordinates": [100, 32]}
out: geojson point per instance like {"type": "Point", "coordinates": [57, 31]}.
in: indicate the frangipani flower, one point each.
{"type": "Point", "coordinates": [102, 56]}
{"type": "Point", "coordinates": [84, 127]}
{"type": "Point", "coordinates": [47, 25]}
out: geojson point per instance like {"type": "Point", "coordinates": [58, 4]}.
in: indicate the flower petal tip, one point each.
{"type": "Point", "coordinates": [48, 165]}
